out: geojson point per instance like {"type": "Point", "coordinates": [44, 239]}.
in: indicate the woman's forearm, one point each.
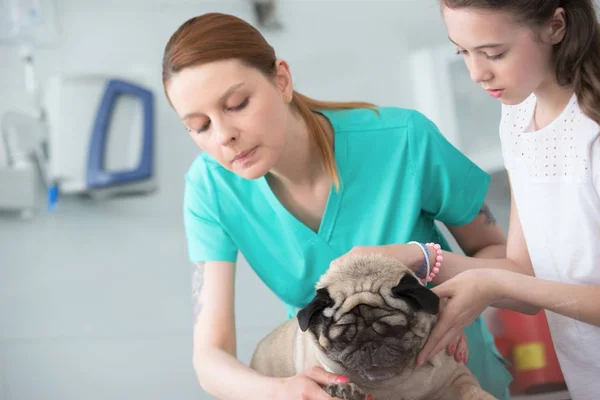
{"type": "Point", "coordinates": [223, 376]}
{"type": "Point", "coordinates": [454, 264]}
{"type": "Point", "coordinates": [495, 251]}
{"type": "Point", "coordinates": [576, 301]}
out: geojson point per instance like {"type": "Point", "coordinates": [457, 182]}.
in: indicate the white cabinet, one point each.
{"type": "Point", "coordinates": [467, 116]}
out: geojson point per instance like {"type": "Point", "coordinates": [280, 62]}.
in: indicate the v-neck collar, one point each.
{"type": "Point", "coordinates": [333, 200]}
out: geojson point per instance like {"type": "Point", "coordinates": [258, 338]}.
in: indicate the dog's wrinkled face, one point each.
{"type": "Point", "coordinates": [370, 315]}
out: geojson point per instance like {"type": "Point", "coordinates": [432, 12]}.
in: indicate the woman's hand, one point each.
{"type": "Point", "coordinates": [469, 293]}
{"type": "Point", "coordinates": [307, 386]}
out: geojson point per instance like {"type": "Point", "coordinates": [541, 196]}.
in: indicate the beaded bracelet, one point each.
{"type": "Point", "coordinates": [437, 249]}
{"type": "Point", "coordinates": [424, 269]}
{"type": "Point", "coordinates": [425, 272]}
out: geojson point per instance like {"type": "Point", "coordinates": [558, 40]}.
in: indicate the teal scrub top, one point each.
{"type": "Point", "coordinates": [398, 174]}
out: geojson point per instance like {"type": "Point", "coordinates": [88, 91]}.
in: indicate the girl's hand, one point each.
{"type": "Point", "coordinates": [459, 349]}
{"type": "Point", "coordinates": [469, 293]}
{"type": "Point", "coordinates": [307, 386]}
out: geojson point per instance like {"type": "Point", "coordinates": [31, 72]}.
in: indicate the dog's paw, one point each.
{"type": "Point", "coordinates": [347, 391]}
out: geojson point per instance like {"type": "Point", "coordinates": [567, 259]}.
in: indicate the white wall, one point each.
{"type": "Point", "coordinates": [338, 49]}
{"type": "Point", "coordinates": [94, 301]}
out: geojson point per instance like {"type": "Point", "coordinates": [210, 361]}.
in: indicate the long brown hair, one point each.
{"type": "Point", "coordinates": [576, 57]}
{"type": "Point", "coordinates": [215, 37]}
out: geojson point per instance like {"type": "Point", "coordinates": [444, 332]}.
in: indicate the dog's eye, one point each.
{"type": "Point", "coordinates": [347, 331]}
{"type": "Point", "coordinates": [347, 319]}
{"type": "Point", "coordinates": [395, 319]}
{"type": "Point", "coordinates": [380, 328]}
{"type": "Point", "coordinates": [336, 331]}
{"type": "Point", "coordinates": [380, 313]}
{"type": "Point", "coordinates": [350, 332]}
{"type": "Point", "coordinates": [390, 330]}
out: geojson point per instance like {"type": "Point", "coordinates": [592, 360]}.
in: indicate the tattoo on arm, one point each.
{"type": "Point", "coordinates": [197, 284]}
{"type": "Point", "coordinates": [489, 217]}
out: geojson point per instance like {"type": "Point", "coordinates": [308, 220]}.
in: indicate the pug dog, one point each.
{"type": "Point", "coordinates": [368, 320]}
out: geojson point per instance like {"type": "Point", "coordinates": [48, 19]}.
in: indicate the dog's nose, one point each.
{"type": "Point", "coordinates": [369, 347]}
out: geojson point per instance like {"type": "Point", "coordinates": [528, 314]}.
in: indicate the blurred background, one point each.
{"type": "Point", "coordinates": [95, 283]}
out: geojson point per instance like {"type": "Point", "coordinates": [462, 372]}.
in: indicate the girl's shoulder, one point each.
{"type": "Point", "coordinates": [518, 116]}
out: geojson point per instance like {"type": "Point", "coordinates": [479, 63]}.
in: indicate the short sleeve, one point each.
{"type": "Point", "coordinates": [206, 238]}
{"type": "Point", "coordinates": [453, 188]}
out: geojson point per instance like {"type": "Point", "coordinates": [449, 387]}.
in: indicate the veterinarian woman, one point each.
{"type": "Point", "coordinates": [294, 183]}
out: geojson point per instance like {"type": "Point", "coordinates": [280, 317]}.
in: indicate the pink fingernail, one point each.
{"type": "Point", "coordinates": [452, 349]}
{"type": "Point", "coordinates": [342, 379]}
{"type": "Point", "coordinates": [460, 356]}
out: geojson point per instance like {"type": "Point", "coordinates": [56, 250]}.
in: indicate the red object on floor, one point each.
{"type": "Point", "coordinates": [526, 342]}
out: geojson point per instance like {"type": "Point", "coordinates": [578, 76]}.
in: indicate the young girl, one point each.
{"type": "Point", "coordinates": [294, 183]}
{"type": "Point", "coordinates": [541, 59]}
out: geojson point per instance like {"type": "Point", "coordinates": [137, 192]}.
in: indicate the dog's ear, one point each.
{"type": "Point", "coordinates": [320, 302]}
{"type": "Point", "coordinates": [410, 289]}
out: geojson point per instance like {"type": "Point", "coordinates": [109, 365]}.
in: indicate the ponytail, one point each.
{"type": "Point", "coordinates": [307, 109]}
